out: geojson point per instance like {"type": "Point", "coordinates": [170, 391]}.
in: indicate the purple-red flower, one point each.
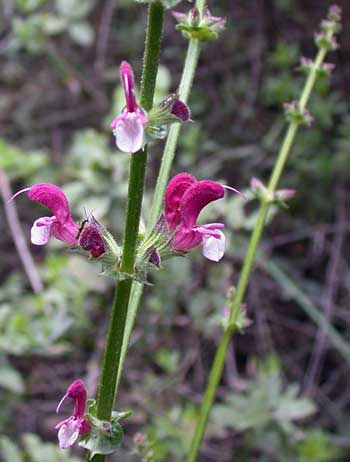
{"type": "Point", "coordinates": [185, 198]}
{"type": "Point", "coordinates": [90, 239]}
{"type": "Point", "coordinates": [70, 429]}
{"type": "Point", "coordinates": [128, 127]}
{"type": "Point", "coordinates": [61, 224]}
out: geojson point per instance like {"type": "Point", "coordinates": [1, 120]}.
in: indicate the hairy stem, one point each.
{"type": "Point", "coordinates": [112, 356]}
{"type": "Point", "coordinates": [219, 359]}
{"type": "Point", "coordinates": [186, 82]}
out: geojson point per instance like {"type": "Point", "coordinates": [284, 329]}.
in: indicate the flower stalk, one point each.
{"type": "Point", "coordinates": [230, 326]}
{"type": "Point", "coordinates": [112, 355]}
{"type": "Point", "coordinates": [188, 73]}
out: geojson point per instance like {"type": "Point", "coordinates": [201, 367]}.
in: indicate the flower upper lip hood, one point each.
{"type": "Point", "coordinates": [70, 429]}
{"type": "Point", "coordinates": [61, 225]}
{"type": "Point", "coordinates": [173, 195]}
{"type": "Point", "coordinates": [184, 199]}
{"type": "Point", "coordinates": [128, 127]}
{"type": "Point", "coordinates": [53, 198]}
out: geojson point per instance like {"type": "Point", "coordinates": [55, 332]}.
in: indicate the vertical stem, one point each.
{"type": "Point", "coordinates": [219, 360]}
{"type": "Point", "coordinates": [186, 82]}
{"type": "Point", "coordinates": [174, 131]}
{"type": "Point", "coordinates": [107, 389]}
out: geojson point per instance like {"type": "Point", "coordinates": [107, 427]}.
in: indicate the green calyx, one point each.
{"type": "Point", "coordinates": [202, 27]}
{"type": "Point", "coordinates": [105, 437]}
{"type": "Point", "coordinates": [296, 115]}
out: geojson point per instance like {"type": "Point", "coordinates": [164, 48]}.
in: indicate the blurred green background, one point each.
{"type": "Point", "coordinates": [285, 393]}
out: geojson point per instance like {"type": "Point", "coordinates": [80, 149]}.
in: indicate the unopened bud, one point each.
{"type": "Point", "coordinates": [256, 185]}
{"type": "Point", "coordinates": [284, 194]}
{"type": "Point", "coordinates": [194, 17]}
{"type": "Point", "coordinates": [90, 239]}
{"type": "Point", "coordinates": [154, 258]}
{"type": "Point", "coordinates": [334, 13]}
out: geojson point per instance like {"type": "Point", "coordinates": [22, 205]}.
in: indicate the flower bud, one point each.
{"type": "Point", "coordinates": [91, 240]}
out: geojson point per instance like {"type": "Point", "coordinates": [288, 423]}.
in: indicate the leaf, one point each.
{"type": "Point", "coordinates": [19, 163]}
{"type": "Point", "coordinates": [54, 24]}
{"type": "Point", "coordinates": [82, 33]}
{"type": "Point", "coordinates": [9, 451]}
{"type": "Point", "coordinates": [37, 450]}
{"type": "Point", "coordinates": [105, 440]}
{"type": "Point", "coordinates": [74, 8]}
{"type": "Point", "coordinates": [27, 6]}
{"type": "Point", "coordinates": [11, 379]}
{"type": "Point", "coordinates": [295, 409]}
{"type": "Point", "coordinates": [116, 416]}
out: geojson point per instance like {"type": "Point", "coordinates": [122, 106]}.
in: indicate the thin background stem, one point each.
{"type": "Point", "coordinates": [235, 306]}
{"type": "Point", "coordinates": [17, 235]}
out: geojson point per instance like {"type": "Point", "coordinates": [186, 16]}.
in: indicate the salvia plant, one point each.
{"type": "Point", "coordinates": [174, 227]}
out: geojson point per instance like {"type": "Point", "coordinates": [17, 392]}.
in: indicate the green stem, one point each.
{"type": "Point", "coordinates": [219, 360]}
{"type": "Point", "coordinates": [112, 355]}
{"type": "Point", "coordinates": [187, 77]}
{"type": "Point", "coordinates": [173, 136]}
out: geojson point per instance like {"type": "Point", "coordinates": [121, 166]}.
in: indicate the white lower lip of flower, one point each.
{"type": "Point", "coordinates": [41, 230]}
{"type": "Point", "coordinates": [213, 248]}
{"type": "Point", "coordinates": [129, 133]}
{"type": "Point", "coordinates": [68, 434]}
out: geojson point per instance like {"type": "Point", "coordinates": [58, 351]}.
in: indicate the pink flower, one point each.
{"type": "Point", "coordinates": [70, 429]}
{"type": "Point", "coordinates": [61, 225]}
{"type": "Point", "coordinates": [185, 198]}
{"type": "Point", "coordinates": [128, 127]}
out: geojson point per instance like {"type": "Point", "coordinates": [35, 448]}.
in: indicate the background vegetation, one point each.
{"type": "Point", "coordinates": [285, 392]}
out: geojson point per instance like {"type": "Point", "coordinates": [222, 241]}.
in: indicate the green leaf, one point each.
{"type": "Point", "coordinates": [82, 33]}
{"type": "Point", "coordinates": [27, 6]}
{"type": "Point", "coordinates": [36, 450]}
{"type": "Point", "coordinates": [116, 416]}
{"type": "Point", "coordinates": [19, 163]}
{"type": "Point", "coordinates": [104, 439]}
{"type": "Point", "coordinates": [11, 379]}
{"type": "Point", "coordinates": [54, 24]}
{"type": "Point", "coordinates": [74, 8]}
{"type": "Point", "coordinates": [9, 451]}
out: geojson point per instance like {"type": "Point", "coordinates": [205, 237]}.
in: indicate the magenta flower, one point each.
{"type": "Point", "coordinates": [70, 429]}
{"type": "Point", "coordinates": [185, 198]}
{"type": "Point", "coordinates": [61, 225]}
{"type": "Point", "coordinates": [128, 127]}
